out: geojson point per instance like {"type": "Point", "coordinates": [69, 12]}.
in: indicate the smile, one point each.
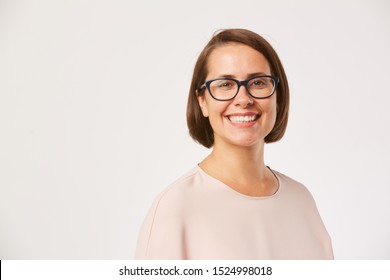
{"type": "Point", "coordinates": [243, 119]}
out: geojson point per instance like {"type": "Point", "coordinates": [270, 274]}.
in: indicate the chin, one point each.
{"type": "Point", "coordinates": [247, 142]}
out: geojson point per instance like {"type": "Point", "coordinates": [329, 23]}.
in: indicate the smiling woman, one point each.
{"type": "Point", "coordinates": [231, 205]}
{"type": "Point", "coordinates": [241, 62]}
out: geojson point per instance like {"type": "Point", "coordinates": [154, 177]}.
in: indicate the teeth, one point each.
{"type": "Point", "coordinates": [242, 119]}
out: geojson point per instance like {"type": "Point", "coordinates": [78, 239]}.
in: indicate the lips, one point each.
{"type": "Point", "coordinates": [243, 118]}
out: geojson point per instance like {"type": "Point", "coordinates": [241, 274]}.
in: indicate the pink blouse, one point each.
{"type": "Point", "coordinates": [199, 217]}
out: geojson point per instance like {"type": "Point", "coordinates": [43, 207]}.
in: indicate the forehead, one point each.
{"type": "Point", "coordinates": [236, 60]}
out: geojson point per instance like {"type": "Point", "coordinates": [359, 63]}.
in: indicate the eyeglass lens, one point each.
{"type": "Point", "coordinates": [260, 87]}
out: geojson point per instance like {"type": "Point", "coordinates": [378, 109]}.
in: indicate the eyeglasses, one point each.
{"type": "Point", "coordinates": [258, 87]}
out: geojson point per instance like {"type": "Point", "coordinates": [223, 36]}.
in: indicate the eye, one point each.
{"type": "Point", "coordinates": [259, 82]}
{"type": "Point", "coordinates": [225, 84]}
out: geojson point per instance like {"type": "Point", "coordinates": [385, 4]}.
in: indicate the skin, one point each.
{"type": "Point", "coordinates": [237, 158]}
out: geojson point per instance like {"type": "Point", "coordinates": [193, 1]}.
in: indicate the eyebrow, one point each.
{"type": "Point", "coordinates": [248, 76]}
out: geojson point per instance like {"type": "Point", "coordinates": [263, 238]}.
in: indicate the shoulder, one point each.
{"type": "Point", "coordinates": [175, 197]}
{"type": "Point", "coordinates": [181, 187]}
{"type": "Point", "coordinates": [297, 196]}
{"type": "Point", "coordinates": [286, 179]}
{"type": "Point", "coordinates": [292, 187]}
{"type": "Point", "coordinates": [164, 223]}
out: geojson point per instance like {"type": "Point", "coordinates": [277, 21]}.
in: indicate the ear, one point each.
{"type": "Point", "coordinates": [202, 104]}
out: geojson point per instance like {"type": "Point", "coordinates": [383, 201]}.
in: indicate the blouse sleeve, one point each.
{"type": "Point", "coordinates": [162, 233]}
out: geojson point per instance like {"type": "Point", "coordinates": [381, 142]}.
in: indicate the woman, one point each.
{"type": "Point", "coordinates": [232, 206]}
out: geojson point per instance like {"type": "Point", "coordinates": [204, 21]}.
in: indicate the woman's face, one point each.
{"type": "Point", "coordinates": [239, 62]}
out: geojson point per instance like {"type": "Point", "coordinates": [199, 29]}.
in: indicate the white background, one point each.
{"type": "Point", "coordinates": [92, 116]}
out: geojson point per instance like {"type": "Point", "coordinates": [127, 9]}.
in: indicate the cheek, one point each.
{"type": "Point", "coordinates": [215, 108]}
{"type": "Point", "coordinates": [269, 111]}
{"type": "Point", "coordinates": [268, 106]}
{"type": "Point", "coordinates": [215, 113]}
{"type": "Point", "coordinates": [203, 106]}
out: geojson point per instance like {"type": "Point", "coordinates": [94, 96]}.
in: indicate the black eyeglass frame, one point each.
{"type": "Point", "coordinates": [239, 84]}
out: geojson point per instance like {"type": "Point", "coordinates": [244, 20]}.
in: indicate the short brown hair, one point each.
{"type": "Point", "coordinates": [198, 125]}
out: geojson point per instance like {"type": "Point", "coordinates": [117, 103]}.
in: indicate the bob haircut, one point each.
{"type": "Point", "coordinates": [199, 126]}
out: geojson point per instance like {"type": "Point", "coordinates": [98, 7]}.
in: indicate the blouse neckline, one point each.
{"type": "Point", "coordinates": [276, 193]}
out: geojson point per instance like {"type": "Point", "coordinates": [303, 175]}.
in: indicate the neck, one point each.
{"type": "Point", "coordinates": [241, 168]}
{"type": "Point", "coordinates": [237, 163]}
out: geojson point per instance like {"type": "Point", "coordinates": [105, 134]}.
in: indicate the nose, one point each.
{"type": "Point", "coordinates": [243, 97]}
